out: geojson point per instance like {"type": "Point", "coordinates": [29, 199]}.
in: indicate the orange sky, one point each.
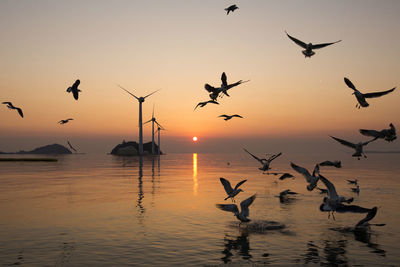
{"type": "Point", "coordinates": [181, 45]}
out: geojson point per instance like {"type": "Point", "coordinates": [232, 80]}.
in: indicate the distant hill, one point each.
{"type": "Point", "coordinates": [131, 148]}
{"type": "Point", "coordinates": [49, 149]}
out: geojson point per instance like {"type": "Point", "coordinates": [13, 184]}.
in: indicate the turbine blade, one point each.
{"type": "Point", "coordinates": [147, 121]}
{"type": "Point", "coordinates": [129, 92]}
{"type": "Point", "coordinates": [151, 93]}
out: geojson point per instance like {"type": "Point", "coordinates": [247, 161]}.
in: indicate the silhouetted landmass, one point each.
{"type": "Point", "coordinates": [49, 149]}
{"type": "Point", "coordinates": [131, 148]}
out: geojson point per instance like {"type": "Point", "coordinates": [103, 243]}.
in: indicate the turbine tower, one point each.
{"type": "Point", "coordinates": [153, 120]}
{"type": "Point", "coordinates": [141, 100]}
{"type": "Point", "coordinates": [159, 130]}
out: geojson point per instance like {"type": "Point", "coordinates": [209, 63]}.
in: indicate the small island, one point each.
{"type": "Point", "coordinates": [131, 148]}
{"type": "Point", "coordinates": [54, 149]}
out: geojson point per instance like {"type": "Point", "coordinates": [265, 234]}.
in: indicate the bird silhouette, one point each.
{"type": "Point", "coordinates": [361, 98]}
{"type": "Point", "coordinates": [202, 104]}
{"type": "Point", "coordinates": [65, 121]}
{"type": "Point", "coordinates": [74, 89]}
{"type": "Point", "coordinates": [11, 106]}
{"type": "Point", "coordinates": [230, 9]}
{"type": "Point", "coordinates": [244, 205]}
{"type": "Point", "coordinates": [228, 117]}
{"type": "Point", "coordinates": [232, 192]}
{"type": "Point", "coordinates": [386, 134]}
{"type": "Point", "coordinates": [358, 147]}
{"type": "Point", "coordinates": [309, 47]}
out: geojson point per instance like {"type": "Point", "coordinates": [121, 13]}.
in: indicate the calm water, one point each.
{"type": "Point", "coordinates": [101, 210]}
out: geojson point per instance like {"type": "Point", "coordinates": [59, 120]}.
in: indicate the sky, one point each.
{"type": "Point", "coordinates": [177, 47]}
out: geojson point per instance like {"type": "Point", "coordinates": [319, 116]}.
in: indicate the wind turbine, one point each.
{"type": "Point", "coordinates": [141, 100]}
{"type": "Point", "coordinates": [153, 120]}
{"type": "Point", "coordinates": [159, 130]}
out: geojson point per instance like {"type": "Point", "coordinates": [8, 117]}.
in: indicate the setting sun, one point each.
{"type": "Point", "coordinates": [194, 138]}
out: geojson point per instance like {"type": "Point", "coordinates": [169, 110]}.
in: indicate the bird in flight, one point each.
{"type": "Point", "coordinates": [11, 106]}
{"type": "Point", "coordinates": [386, 134]}
{"type": "Point", "coordinates": [361, 98]}
{"type": "Point", "coordinates": [74, 89]}
{"type": "Point", "coordinates": [358, 147]}
{"type": "Point", "coordinates": [309, 47]}
{"type": "Point", "coordinates": [228, 117]}
{"type": "Point", "coordinates": [244, 205]}
{"type": "Point", "coordinates": [312, 180]}
{"type": "Point", "coordinates": [215, 91]}
{"type": "Point", "coordinates": [333, 201]}
{"type": "Point", "coordinates": [265, 162]}
{"type": "Point", "coordinates": [285, 175]}
{"type": "Point", "coordinates": [202, 104]}
{"type": "Point", "coordinates": [230, 9]}
{"type": "Point", "coordinates": [64, 121]}
{"type": "Point", "coordinates": [232, 192]}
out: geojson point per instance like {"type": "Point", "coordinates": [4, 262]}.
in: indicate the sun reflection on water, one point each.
{"type": "Point", "coordinates": [195, 182]}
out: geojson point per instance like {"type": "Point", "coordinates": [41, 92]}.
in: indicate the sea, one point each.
{"type": "Point", "coordinates": [105, 210]}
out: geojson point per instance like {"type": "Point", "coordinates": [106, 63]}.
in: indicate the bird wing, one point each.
{"type": "Point", "coordinates": [225, 116]}
{"type": "Point", "coordinates": [274, 157]}
{"type": "Point", "coordinates": [7, 103]}
{"type": "Point", "coordinates": [239, 184]}
{"type": "Point", "coordinates": [285, 175]}
{"type": "Point", "coordinates": [318, 46]}
{"type": "Point", "coordinates": [223, 79]}
{"type": "Point", "coordinates": [350, 84]}
{"type": "Point", "coordinates": [366, 143]}
{"type": "Point", "coordinates": [212, 102]}
{"type": "Point", "coordinates": [209, 88]}
{"type": "Point", "coordinates": [372, 133]}
{"type": "Point", "coordinates": [236, 115]}
{"type": "Point", "coordinates": [298, 42]}
{"type": "Point", "coordinates": [351, 208]}
{"type": "Point", "coordinates": [258, 159]}
{"type": "Point", "coordinates": [301, 170]}
{"type": "Point", "coordinates": [227, 185]}
{"type": "Point", "coordinates": [378, 94]}
{"type": "Point", "coordinates": [199, 104]}
{"type": "Point", "coordinates": [316, 170]}
{"type": "Point", "coordinates": [331, 188]}
{"type": "Point", "coordinates": [228, 207]}
{"type": "Point", "coordinates": [20, 112]}
{"type": "Point", "coordinates": [244, 205]}
{"type": "Point", "coordinates": [370, 216]}
{"type": "Point", "coordinates": [344, 142]}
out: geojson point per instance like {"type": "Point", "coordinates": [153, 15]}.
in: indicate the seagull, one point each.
{"type": "Point", "coordinates": [361, 97]}
{"type": "Point", "coordinates": [225, 86]}
{"type": "Point", "coordinates": [230, 8]}
{"type": "Point", "coordinates": [335, 163]}
{"type": "Point", "coordinates": [358, 147]}
{"type": "Point", "coordinates": [386, 134]}
{"type": "Point", "coordinates": [309, 47]}
{"type": "Point", "coordinates": [265, 162]}
{"type": "Point", "coordinates": [65, 121]}
{"type": "Point", "coordinates": [74, 89]}
{"type": "Point", "coordinates": [229, 190]}
{"type": "Point", "coordinates": [356, 189]}
{"type": "Point", "coordinates": [71, 146]}
{"type": "Point", "coordinates": [228, 117]}
{"type": "Point", "coordinates": [312, 180]}
{"type": "Point", "coordinates": [215, 91]}
{"type": "Point", "coordinates": [353, 181]}
{"type": "Point", "coordinates": [333, 201]}
{"type": "Point", "coordinates": [202, 104]}
{"type": "Point", "coordinates": [244, 205]}
{"type": "Point", "coordinates": [285, 175]}
{"type": "Point", "coordinates": [11, 106]}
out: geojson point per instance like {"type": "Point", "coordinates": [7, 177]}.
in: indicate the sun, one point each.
{"type": "Point", "coordinates": [194, 138]}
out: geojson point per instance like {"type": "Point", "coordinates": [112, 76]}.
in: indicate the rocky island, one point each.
{"type": "Point", "coordinates": [131, 148]}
